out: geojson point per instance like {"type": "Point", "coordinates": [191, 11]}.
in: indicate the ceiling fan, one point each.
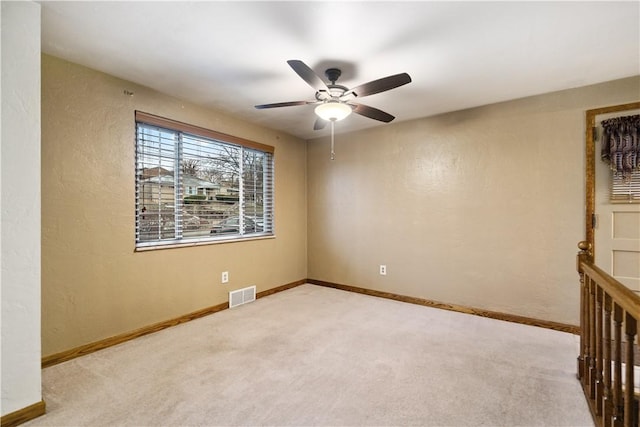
{"type": "Point", "coordinates": [334, 101]}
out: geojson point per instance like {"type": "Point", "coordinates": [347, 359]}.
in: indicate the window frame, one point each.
{"type": "Point", "coordinates": [233, 142]}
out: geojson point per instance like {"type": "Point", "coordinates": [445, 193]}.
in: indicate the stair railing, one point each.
{"type": "Point", "coordinates": [609, 314]}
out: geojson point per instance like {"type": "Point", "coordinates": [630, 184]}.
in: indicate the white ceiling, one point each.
{"type": "Point", "coordinates": [231, 55]}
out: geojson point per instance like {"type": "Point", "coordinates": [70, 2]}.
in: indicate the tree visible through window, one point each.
{"type": "Point", "coordinates": [192, 185]}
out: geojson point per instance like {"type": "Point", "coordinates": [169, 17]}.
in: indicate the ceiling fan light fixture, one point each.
{"type": "Point", "coordinates": [333, 110]}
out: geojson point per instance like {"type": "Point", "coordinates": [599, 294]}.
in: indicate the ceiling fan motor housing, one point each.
{"type": "Point", "coordinates": [334, 91]}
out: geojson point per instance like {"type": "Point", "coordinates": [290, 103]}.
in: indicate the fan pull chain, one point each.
{"type": "Point", "coordinates": [333, 154]}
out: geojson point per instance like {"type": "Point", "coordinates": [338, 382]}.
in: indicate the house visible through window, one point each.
{"type": "Point", "coordinates": [194, 185]}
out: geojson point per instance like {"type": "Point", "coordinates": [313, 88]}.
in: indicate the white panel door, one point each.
{"type": "Point", "coordinates": [617, 225]}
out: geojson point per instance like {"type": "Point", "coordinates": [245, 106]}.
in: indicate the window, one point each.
{"type": "Point", "coordinates": [198, 186]}
{"type": "Point", "coordinates": [620, 150]}
{"type": "Point", "coordinates": [626, 190]}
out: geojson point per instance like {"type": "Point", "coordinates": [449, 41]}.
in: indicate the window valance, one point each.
{"type": "Point", "coordinates": [621, 145]}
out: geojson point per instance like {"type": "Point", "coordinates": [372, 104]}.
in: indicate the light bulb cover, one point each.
{"type": "Point", "coordinates": [333, 110]}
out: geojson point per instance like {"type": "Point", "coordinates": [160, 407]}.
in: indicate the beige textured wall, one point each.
{"type": "Point", "coordinates": [93, 283]}
{"type": "Point", "coordinates": [482, 207]}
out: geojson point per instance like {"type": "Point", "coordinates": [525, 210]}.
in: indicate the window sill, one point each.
{"type": "Point", "coordinates": [173, 245]}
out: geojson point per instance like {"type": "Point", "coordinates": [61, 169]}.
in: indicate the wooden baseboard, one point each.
{"type": "Point", "coordinates": [280, 288]}
{"type": "Point", "coordinates": [64, 356]}
{"type": "Point", "coordinates": [563, 327]}
{"type": "Point", "coordinates": [23, 415]}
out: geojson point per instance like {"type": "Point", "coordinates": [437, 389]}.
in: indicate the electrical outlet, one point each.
{"type": "Point", "coordinates": [383, 270]}
{"type": "Point", "coordinates": [225, 277]}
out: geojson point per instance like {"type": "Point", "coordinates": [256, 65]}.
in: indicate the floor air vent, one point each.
{"type": "Point", "coordinates": [242, 296]}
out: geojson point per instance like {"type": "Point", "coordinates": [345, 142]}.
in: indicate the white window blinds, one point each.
{"type": "Point", "coordinates": [626, 190]}
{"type": "Point", "coordinates": [194, 186]}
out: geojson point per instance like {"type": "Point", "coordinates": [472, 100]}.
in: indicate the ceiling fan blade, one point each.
{"type": "Point", "coordinates": [380, 85]}
{"type": "Point", "coordinates": [284, 104]}
{"type": "Point", "coordinates": [307, 74]}
{"type": "Point", "coordinates": [319, 124]}
{"type": "Point", "coordinates": [372, 113]}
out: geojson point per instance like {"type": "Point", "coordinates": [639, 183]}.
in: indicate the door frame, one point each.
{"type": "Point", "coordinates": [590, 174]}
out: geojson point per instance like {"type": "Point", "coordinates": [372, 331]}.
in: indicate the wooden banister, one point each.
{"type": "Point", "coordinates": [609, 314]}
{"type": "Point", "coordinates": [622, 295]}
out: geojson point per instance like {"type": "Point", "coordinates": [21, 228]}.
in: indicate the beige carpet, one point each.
{"type": "Point", "coordinates": [314, 356]}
